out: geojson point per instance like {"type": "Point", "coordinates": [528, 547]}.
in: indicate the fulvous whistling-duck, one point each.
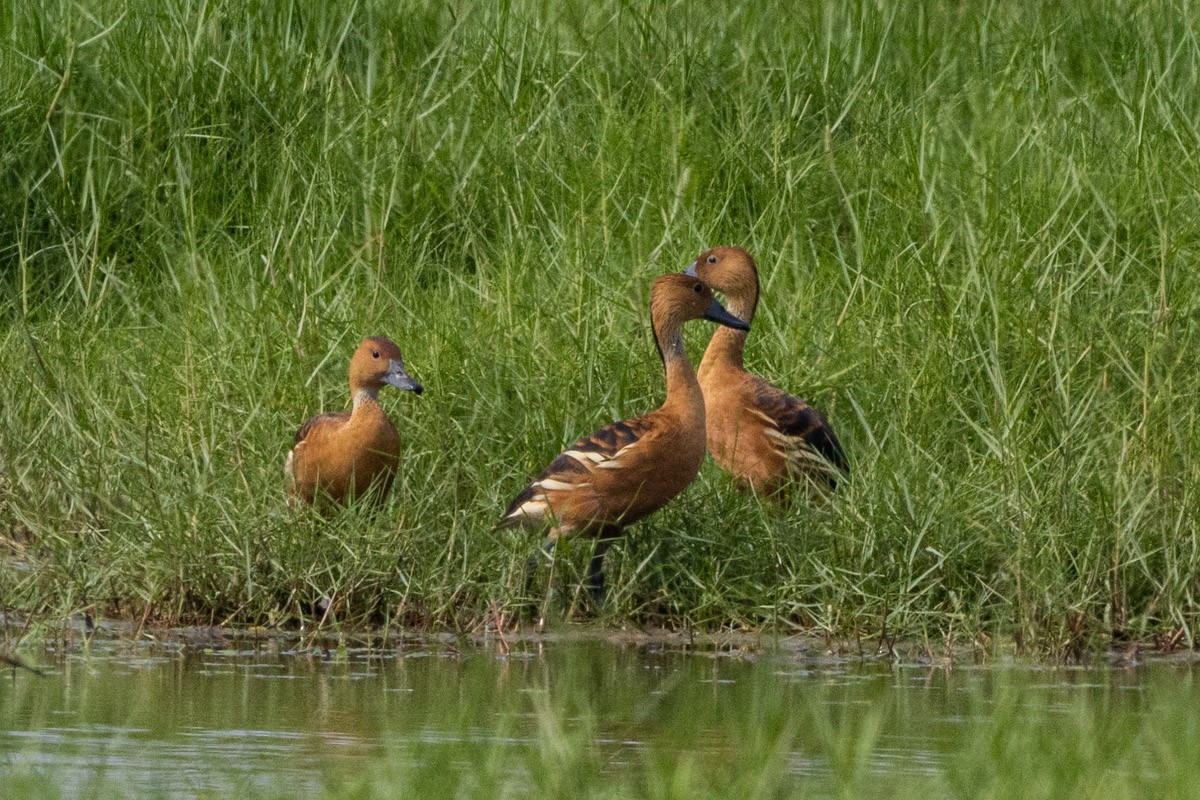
{"type": "Point", "coordinates": [340, 455]}
{"type": "Point", "coordinates": [627, 470]}
{"type": "Point", "coordinates": [761, 435]}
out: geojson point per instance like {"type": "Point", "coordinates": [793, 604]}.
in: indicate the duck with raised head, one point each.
{"type": "Point", "coordinates": [627, 470]}
{"type": "Point", "coordinates": [763, 436]}
{"type": "Point", "coordinates": [341, 455]}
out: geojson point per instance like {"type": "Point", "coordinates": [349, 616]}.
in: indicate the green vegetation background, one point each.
{"type": "Point", "coordinates": [977, 225]}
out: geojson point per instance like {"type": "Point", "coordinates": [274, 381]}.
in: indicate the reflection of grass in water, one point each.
{"type": "Point", "coordinates": [976, 228]}
{"type": "Point", "coordinates": [1012, 748]}
{"type": "Point", "coordinates": [1015, 740]}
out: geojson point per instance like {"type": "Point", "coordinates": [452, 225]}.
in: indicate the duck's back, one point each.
{"type": "Point", "coordinates": [614, 477]}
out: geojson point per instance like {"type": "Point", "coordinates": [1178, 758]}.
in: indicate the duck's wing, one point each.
{"type": "Point", "coordinates": [329, 419]}
{"type": "Point", "coordinates": [801, 433]}
{"type": "Point", "coordinates": [573, 470]}
{"type": "Point", "coordinates": [311, 429]}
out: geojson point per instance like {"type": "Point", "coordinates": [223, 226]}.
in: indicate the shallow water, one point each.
{"type": "Point", "coordinates": [265, 718]}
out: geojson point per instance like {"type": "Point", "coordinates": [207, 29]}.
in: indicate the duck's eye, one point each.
{"type": "Point", "coordinates": [697, 288]}
{"type": "Point", "coordinates": [712, 259]}
{"type": "Point", "coordinates": [374, 354]}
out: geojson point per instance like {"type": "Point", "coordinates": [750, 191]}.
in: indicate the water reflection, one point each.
{"type": "Point", "coordinates": [255, 717]}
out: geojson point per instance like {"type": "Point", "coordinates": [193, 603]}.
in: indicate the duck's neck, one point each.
{"type": "Point", "coordinates": [728, 345]}
{"type": "Point", "coordinates": [683, 390]}
{"type": "Point", "coordinates": [364, 396]}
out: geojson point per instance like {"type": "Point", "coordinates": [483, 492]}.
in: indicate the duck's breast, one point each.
{"type": "Point", "coordinates": [371, 449]}
{"type": "Point", "coordinates": [737, 430]}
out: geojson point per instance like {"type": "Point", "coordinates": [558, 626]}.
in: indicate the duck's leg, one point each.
{"type": "Point", "coordinates": [595, 573]}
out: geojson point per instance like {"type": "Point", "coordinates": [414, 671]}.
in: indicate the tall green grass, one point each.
{"type": "Point", "coordinates": [977, 227]}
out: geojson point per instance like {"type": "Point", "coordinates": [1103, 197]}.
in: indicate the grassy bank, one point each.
{"type": "Point", "coordinates": [977, 226]}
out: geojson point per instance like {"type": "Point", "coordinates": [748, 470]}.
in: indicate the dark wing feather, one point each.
{"type": "Point", "coordinates": [797, 419]}
{"type": "Point", "coordinates": [320, 419]}
{"type": "Point", "coordinates": [609, 440]}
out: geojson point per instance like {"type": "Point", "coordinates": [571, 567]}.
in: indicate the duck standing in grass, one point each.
{"type": "Point", "coordinates": [628, 470]}
{"type": "Point", "coordinates": [763, 436]}
{"type": "Point", "coordinates": [342, 455]}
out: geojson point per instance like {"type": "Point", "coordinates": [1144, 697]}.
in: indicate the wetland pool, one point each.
{"type": "Point", "coordinates": [584, 717]}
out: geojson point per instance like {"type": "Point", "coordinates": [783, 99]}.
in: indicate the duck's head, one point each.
{"type": "Point", "coordinates": [732, 272]}
{"type": "Point", "coordinates": [377, 363]}
{"type": "Point", "coordinates": [677, 298]}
